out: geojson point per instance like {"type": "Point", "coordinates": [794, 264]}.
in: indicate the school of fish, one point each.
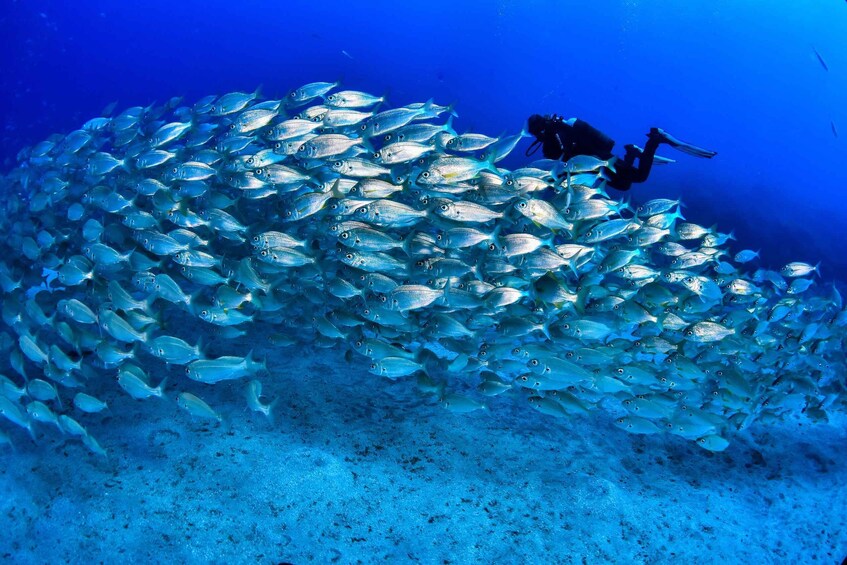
{"type": "Point", "coordinates": [324, 218]}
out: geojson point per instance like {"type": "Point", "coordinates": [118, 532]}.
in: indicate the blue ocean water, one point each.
{"type": "Point", "coordinates": [740, 79]}
{"type": "Point", "coordinates": [361, 470]}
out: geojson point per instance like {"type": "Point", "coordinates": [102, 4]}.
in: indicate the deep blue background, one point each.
{"type": "Point", "coordinates": [737, 77]}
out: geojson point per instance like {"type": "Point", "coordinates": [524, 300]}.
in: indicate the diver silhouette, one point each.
{"type": "Point", "coordinates": [562, 139]}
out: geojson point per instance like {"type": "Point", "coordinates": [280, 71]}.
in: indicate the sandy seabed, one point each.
{"type": "Point", "coordinates": [359, 469]}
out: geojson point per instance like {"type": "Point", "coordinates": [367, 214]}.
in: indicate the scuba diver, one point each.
{"type": "Point", "coordinates": [562, 139]}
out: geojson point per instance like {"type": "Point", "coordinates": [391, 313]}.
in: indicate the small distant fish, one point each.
{"type": "Point", "coordinates": [834, 129]}
{"type": "Point", "coordinates": [348, 55]}
{"type": "Point", "coordinates": [820, 59]}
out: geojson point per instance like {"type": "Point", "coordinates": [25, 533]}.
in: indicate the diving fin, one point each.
{"type": "Point", "coordinates": [657, 160]}
{"type": "Point", "coordinates": [681, 145]}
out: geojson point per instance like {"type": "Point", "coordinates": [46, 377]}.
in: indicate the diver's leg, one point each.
{"type": "Point", "coordinates": [632, 153]}
{"type": "Point", "coordinates": [645, 160]}
{"type": "Point", "coordinates": [622, 177]}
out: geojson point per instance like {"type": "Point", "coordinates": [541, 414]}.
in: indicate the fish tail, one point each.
{"type": "Point", "coordinates": [448, 127]}
{"type": "Point", "coordinates": [451, 109]}
{"type": "Point", "coordinates": [255, 366]}
{"type": "Point", "coordinates": [335, 190]}
{"type": "Point", "coordinates": [270, 413]}
{"type": "Point", "coordinates": [490, 163]}
{"type": "Point", "coordinates": [160, 390]}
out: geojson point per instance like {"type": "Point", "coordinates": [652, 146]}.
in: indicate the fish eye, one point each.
{"type": "Point", "coordinates": [345, 235]}
{"type": "Point", "coordinates": [377, 155]}
{"type": "Point", "coordinates": [569, 354]}
{"type": "Point", "coordinates": [383, 298]}
{"type": "Point", "coordinates": [366, 311]}
{"type": "Point", "coordinates": [331, 97]}
{"type": "Point", "coordinates": [689, 332]}
{"type": "Point", "coordinates": [302, 147]}
{"type": "Point", "coordinates": [439, 237]}
{"type": "Point", "coordinates": [204, 313]}
{"type": "Point", "coordinates": [256, 238]}
{"type": "Point", "coordinates": [492, 247]}
{"type": "Point", "coordinates": [620, 371]}
{"type": "Point", "coordinates": [174, 170]}
{"type": "Point", "coordinates": [264, 253]}
{"type": "Point", "coordinates": [337, 164]}
{"type": "Point", "coordinates": [363, 210]}
{"type": "Point", "coordinates": [425, 174]}
{"type": "Point", "coordinates": [510, 182]}
{"type": "Point", "coordinates": [363, 127]}
{"type": "Point", "coordinates": [522, 204]}
{"type": "Point", "coordinates": [444, 207]}
{"type": "Point", "coordinates": [349, 256]}
{"type": "Point", "coordinates": [566, 326]}
{"type": "Point", "coordinates": [534, 362]}
{"type": "Point", "coordinates": [277, 145]}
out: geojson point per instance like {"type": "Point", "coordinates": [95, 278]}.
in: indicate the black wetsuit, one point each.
{"type": "Point", "coordinates": [626, 173]}
{"type": "Point", "coordinates": [561, 141]}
